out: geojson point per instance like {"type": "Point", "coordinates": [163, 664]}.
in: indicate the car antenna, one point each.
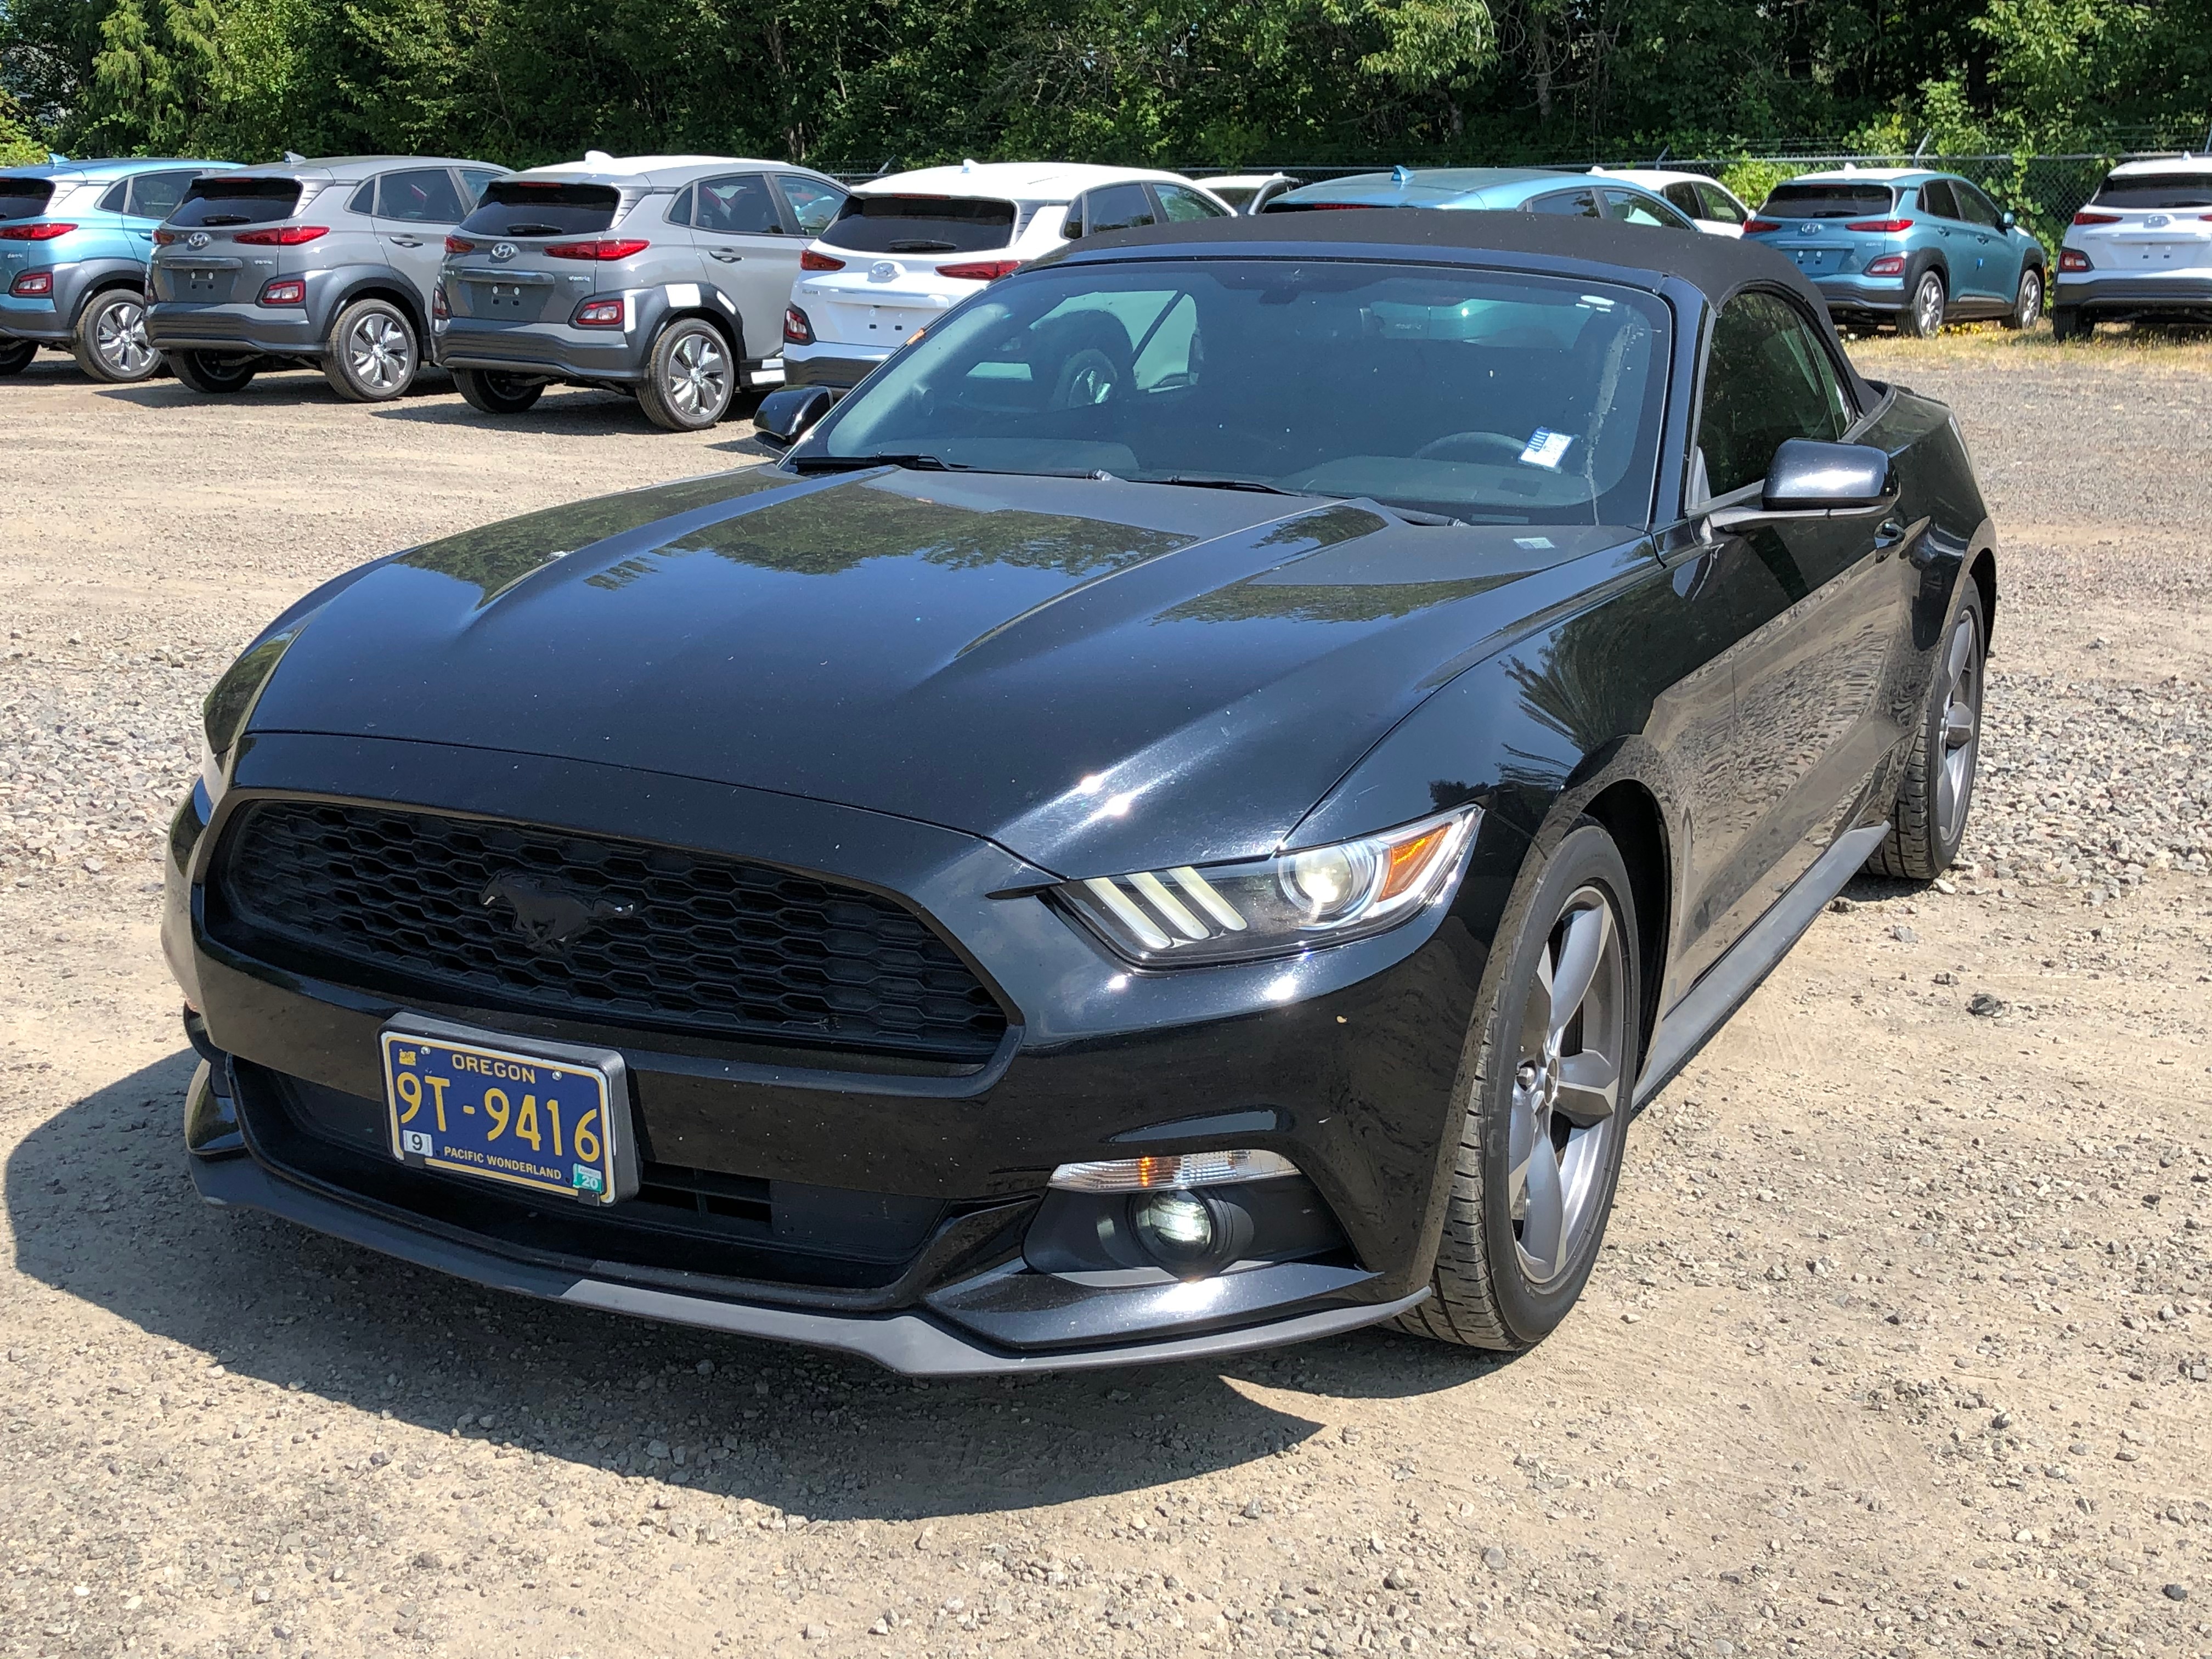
{"type": "Point", "coordinates": [1401, 174]}
{"type": "Point", "coordinates": [294, 156]}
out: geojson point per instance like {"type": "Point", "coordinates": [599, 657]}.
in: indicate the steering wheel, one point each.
{"type": "Point", "coordinates": [1087, 378]}
{"type": "Point", "coordinates": [1493, 448]}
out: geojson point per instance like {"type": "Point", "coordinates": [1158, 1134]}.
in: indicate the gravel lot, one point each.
{"type": "Point", "coordinates": [1900, 1345]}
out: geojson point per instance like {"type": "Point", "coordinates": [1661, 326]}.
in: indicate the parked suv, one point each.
{"type": "Point", "coordinates": [663, 277]}
{"type": "Point", "coordinates": [2141, 248]}
{"type": "Point", "coordinates": [905, 249]}
{"type": "Point", "coordinates": [328, 263]}
{"type": "Point", "coordinates": [74, 240]}
{"type": "Point", "coordinates": [1906, 246]}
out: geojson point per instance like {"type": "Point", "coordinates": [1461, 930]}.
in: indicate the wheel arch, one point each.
{"type": "Point", "coordinates": [105, 282]}
{"type": "Point", "coordinates": [731, 329]}
{"type": "Point", "coordinates": [394, 290]}
{"type": "Point", "coordinates": [1631, 814]}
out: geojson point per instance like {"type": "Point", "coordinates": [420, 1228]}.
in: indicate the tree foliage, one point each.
{"type": "Point", "coordinates": [864, 83]}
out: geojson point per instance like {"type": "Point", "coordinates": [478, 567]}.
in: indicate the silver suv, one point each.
{"type": "Point", "coordinates": [327, 262]}
{"type": "Point", "coordinates": [663, 277]}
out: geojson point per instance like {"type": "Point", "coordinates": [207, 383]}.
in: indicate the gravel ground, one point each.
{"type": "Point", "coordinates": [1899, 1345]}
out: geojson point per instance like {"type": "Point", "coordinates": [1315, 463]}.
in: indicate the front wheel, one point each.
{"type": "Point", "coordinates": [2068, 324]}
{"type": "Point", "coordinates": [110, 338]}
{"type": "Point", "coordinates": [1545, 1089]}
{"type": "Point", "coordinates": [370, 356]}
{"type": "Point", "coordinates": [1922, 316]}
{"type": "Point", "coordinates": [497, 392]}
{"type": "Point", "coordinates": [215, 373]}
{"type": "Point", "coordinates": [1928, 822]}
{"type": "Point", "coordinates": [2027, 304]}
{"type": "Point", "coordinates": [15, 355]}
{"type": "Point", "coordinates": [690, 377]}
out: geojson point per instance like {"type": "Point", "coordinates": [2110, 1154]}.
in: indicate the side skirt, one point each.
{"type": "Point", "coordinates": [1690, 1025]}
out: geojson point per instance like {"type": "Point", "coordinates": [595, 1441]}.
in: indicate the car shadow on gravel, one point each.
{"type": "Point", "coordinates": [101, 1207]}
{"type": "Point", "coordinates": [277, 389]}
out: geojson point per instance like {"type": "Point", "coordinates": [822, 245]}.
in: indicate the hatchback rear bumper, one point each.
{"type": "Point", "coordinates": [179, 326]}
{"type": "Point", "coordinates": [553, 349]}
{"type": "Point", "coordinates": [33, 319]}
{"type": "Point", "coordinates": [841, 366]}
{"type": "Point", "coordinates": [1850, 291]}
{"type": "Point", "coordinates": [2118, 297]}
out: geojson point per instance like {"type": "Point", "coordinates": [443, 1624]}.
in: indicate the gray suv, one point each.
{"type": "Point", "coordinates": [663, 277]}
{"type": "Point", "coordinates": [327, 262]}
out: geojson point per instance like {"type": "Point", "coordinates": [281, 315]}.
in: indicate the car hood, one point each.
{"type": "Point", "coordinates": [1100, 675]}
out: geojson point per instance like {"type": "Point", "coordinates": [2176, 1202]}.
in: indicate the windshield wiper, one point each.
{"type": "Point", "coordinates": [1218, 480]}
{"type": "Point", "coordinates": [916, 462]}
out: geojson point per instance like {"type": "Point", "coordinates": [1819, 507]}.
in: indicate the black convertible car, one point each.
{"type": "Point", "coordinates": [1186, 813]}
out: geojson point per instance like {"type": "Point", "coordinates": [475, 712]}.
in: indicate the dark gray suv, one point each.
{"type": "Point", "coordinates": [663, 277]}
{"type": "Point", "coordinates": [327, 262]}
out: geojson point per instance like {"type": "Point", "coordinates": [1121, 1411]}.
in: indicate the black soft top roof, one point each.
{"type": "Point", "coordinates": [1716, 266]}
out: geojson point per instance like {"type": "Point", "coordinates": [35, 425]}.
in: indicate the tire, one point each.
{"type": "Point", "coordinates": [2027, 304]}
{"type": "Point", "coordinates": [1501, 1281]}
{"type": "Point", "coordinates": [496, 392]}
{"type": "Point", "coordinates": [1928, 822]}
{"type": "Point", "coordinates": [690, 375]}
{"type": "Point", "coordinates": [1925, 302]}
{"type": "Point", "coordinates": [2068, 324]}
{"type": "Point", "coordinates": [372, 353]}
{"type": "Point", "coordinates": [215, 373]}
{"type": "Point", "coordinates": [15, 355]}
{"type": "Point", "coordinates": [109, 341]}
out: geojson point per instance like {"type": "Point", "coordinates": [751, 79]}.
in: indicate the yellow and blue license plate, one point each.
{"type": "Point", "coordinates": [553, 1124]}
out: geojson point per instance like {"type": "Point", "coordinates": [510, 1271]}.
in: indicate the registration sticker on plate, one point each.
{"type": "Point", "coordinates": [550, 1118]}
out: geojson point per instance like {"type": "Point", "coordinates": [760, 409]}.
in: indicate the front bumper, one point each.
{"type": "Point", "coordinates": [1343, 1061]}
{"type": "Point", "coordinates": [840, 367]}
{"type": "Point", "coordinates": [2112, 296]}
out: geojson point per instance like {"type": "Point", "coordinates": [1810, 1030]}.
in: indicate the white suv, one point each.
{"type": "Point", "coordinates": [905, 249]}
{"type": "Point", "coordinates": [2140, 249]}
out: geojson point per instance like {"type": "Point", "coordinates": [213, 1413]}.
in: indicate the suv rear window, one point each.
{"type": "Point", "coordinates": [531, 207]}
{"type": "Point", "coordinates": [229, 200]}
{"type": "Point", "coordinates": [2164, 189]}
{"type": "Point", "coordinates": [1829, 202]}
{"type": "Point", "coordinates": [922, 224]}
{"type": "Point", "coordinates": [24, 198]}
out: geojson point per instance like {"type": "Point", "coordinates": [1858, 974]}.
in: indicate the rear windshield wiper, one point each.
{"type": "Point", "coordinates": [1218, 480]}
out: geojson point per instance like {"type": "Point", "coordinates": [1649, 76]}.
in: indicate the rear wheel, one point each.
{"type": "Point", "coordinates": [15, 355]}
{"type": "Point", "coordinates": [1927, 822]}
{"type": "Point", "coordinates": [690, 377]}
{"type": "Point", "coordinates": [1545, 1093]}
{"type": "Point", "coordinates": [370, 356]}
{"type": "Point", "coordinates": [496, 393]}
{"type": "Point", "coordinates": [110, 342]}
{"type": "Point", "coordinates": [214, 372]}
{"type": "Point", "coordinates": [2027, 304]}
{"type": "Point", "coordinates": [2068, 324]}
{"type": "Point", "coordinates": [1922, 316]}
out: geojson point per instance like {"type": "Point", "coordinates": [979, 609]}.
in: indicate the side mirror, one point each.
{"type": "Point", "coordinates": [1817, 477]}
{"type": "Point", "coordinates": [2010, 219]}
{"type": "Point", "coordinates": [784, 417]}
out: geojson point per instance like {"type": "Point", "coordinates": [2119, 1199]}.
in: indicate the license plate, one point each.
{"type": "Point", "coordinates": [547, 1117]}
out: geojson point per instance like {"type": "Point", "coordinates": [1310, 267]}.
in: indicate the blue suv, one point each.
{"type": "Point", "coordinates": [75, 238]}
{"type": "Point", "coordinates": [1906, 246]}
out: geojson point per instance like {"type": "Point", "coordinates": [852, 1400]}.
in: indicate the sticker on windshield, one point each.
{"type": "Point", "coordinates": [1546, 448]}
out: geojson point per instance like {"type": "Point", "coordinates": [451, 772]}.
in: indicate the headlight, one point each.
{"type": "Point", "coordinates": [230, 701]}
{"type": "Point", "coordinates": [1185, 915]}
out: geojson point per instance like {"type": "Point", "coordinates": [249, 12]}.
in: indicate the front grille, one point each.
{"type": "Point", "coordinates": [421, 906]}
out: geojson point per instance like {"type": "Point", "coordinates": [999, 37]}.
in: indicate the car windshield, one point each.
{"type": "Point", "coordinates": [1497, 398]}
{"type": "Point", "coordinates": [1829, 202]}
{"type": "Point", "coordinates": [533, 207]}
{"type": "Point", "coordinates": [922, 224]}
{"type": "Point", "coordinates": [2163, 189]}
{"type": "Point", "coordinates": [227, 199]}
{"type": "Point", "coordinates": [24, 198]}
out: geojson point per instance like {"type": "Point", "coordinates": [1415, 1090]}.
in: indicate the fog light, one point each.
{"type": "Point", "coordinates": [1175, 1227]}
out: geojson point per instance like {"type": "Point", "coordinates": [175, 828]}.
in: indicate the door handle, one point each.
{"type": "Point", "coordinates": [1888, 537]}
{"type": "Point", "coordinates": [728, 256]}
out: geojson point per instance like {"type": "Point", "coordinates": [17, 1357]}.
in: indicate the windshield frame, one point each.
{"type": "Point", "coordinates": [1673, 336]}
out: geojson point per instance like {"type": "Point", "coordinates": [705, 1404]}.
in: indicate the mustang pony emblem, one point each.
{"type": "Point", "coordinates": [549, 919]}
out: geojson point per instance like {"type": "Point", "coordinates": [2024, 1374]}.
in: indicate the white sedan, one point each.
{"type": "Point", "coordinates": [1713, 206]}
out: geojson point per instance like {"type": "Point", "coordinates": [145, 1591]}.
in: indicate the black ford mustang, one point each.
{"type": "Point", "coordinates": [1185, 814]}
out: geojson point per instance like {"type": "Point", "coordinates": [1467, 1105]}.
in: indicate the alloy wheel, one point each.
{"type": "Point", "coordinates": [1961, 726]}
{"type": "Point", "coordinates": [120, 337]}
{"type": "Point", "coordinates": [2031, 298]}
{"type": "Point", "coordinates": [698, 379]}
{"type": "Point", "coordinates": [1566, 1088]}
{"type": "Point", "coordinates": [1927, 304]}
{"type": "Point", "coordinates": [380, 353]}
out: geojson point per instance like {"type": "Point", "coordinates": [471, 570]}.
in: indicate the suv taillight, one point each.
{"type": "Point", "coordinates": [2072, 259]}
{"type": "Point", "coordinates": [33, 285]}
{"type": "Point", "coordinates": [441, 310]}
{"type": "Point", "coordinates": [605, 247]}
{"type": "Point", "coordinates": [1885, 226]}
{"type": "Point", "coordinates": [44, 232]}
{"type": "Point", "coordinates": [811, 260]}
{"type": "Point", "coordinates": [282, 235]}
{"type": "Point", "coordinates": [798, 328]}
{"type": "Point", "coordinates": [598, 314]}
{"type": "Point", "coordinates": [1755, 227]}
{"type": "Point", "coordinates": [1890, 264]}
{"type": "Point", "coordinates": [2086, 217]}
{"type": "Point", "coordinates": [981, 271]}
{"type": "Point", "coordinates": [459, 244]}
{"type": "Point", "coordinates": [284, 291]}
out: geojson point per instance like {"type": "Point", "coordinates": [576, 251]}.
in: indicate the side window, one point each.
{"type": "Point", "coordinates": [1181, 206]}
{"type": "Point", "coordinates": [1168, 359]}
{"type": "Point", "coordinates": [679, 210]}
{"type": "Point", "coordinates": [738, 206]}
{"type": "Point", "coordinates": [363, 201]}
{"type": "Point", "coordinates": [1768, 378]}
{"type": "Point", "coordinates": [422, 196]}
{"type": "Point", "coordinates": [1116, 207]}
{"type": "Point", "coordinates": [1632, 209]}
{"type": "Point", "coordinates": [813, 202]}
{"type": "Point", "coordinates": [1936, 199]}
{"type": "Point", "coordinates": [474, 182]}
{"type": "Point", "coordinates": [116, 196]}
{"type": "Point", "coordinates": [1572, 203]}
{"type": "Point", "coordinates": [1718, 205]}
{"type": "Point", "coordinates": [155, 195]}
{"type": "Point", "coordinates": [1977, 208]}
{"type": "Point", "coordinates": [1684, 195]}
